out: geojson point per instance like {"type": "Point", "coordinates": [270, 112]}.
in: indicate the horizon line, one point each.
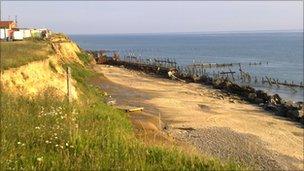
{"type": "Point", "coordinates": [196, 32]}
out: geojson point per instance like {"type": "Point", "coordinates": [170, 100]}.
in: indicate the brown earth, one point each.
{"type": "Point", "coordinates": [216, 123]}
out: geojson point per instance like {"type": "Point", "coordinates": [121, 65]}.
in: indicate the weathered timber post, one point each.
{"type": "Point", "coordinates": [159, 121]}
{"type": "Point", "coordinates": [69, 86]}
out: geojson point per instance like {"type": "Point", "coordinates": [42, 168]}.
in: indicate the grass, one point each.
{"type": "Point", "coordinates": [85, 58]}
{"type": "Point", "coordinates": [46, 133]}
{"type": "Point", "coordinates": [18, 53]}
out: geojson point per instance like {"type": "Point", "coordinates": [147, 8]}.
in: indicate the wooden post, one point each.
{"type": "Point", "coordinates": [69, 86]}
{"type": "Point", "coordinates": [159, 121]}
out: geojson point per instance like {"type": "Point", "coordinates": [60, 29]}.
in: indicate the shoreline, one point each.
{"type": "Point", "coordinates": [204, 117]}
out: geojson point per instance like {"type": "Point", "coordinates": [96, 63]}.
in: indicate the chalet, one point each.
{"type": "Point", "coordinates": [8, 24]}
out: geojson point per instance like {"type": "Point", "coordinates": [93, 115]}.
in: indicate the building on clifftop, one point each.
{"type": "Point", "coordinates": [8, 24]}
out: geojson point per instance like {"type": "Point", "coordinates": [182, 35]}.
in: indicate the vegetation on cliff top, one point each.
{"type": "Point", "coordinates": [17, 53]}
{"type": "Point", "coordinates": [47, 133]}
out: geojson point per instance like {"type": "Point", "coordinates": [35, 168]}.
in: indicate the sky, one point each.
{"type": "Point", "coordinates": [105, 17]}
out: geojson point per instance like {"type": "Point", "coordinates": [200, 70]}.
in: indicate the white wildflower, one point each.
{"type": "Point", "coordinates": [18, 143]}
{"type": "Point", "coordinates": [37, 127]}
{"type": "Point", "coordinates": [40, 159]}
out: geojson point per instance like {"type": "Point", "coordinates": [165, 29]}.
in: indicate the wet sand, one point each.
{"type": "Point", "coordinates": [215, 123]}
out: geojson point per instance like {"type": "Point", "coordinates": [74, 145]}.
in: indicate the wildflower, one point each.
{"type": "Point", "coordinates": [47, 141]}
{"type": "Point", "coordinates": [56, 145]}
{"type": "Point", "coordinates": [37, 127]}
{"type": "Point", "coordinates": [40, 159]}
{"type": "Point", "coordinates": [56, 137]}
{"type": "Point", "coordinates": [23, 144]}
{"type": "Point", "coordinates": [61, 147]}
{"type": "Point", "coordinates": [67, 144]}
{"type": "Point", "coordinates": [18, 143]}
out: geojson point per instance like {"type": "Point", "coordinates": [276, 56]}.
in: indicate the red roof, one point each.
{"type": "Point", "coordinates": [6, 23]}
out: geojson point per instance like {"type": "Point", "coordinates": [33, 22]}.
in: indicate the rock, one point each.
{"type": "Point", "coordinates": [234, 88]}
{"type": "Point", "coordinates": [218, 83]}
{"type": "Point", "coordinates": [248, 89]}
{"type": "Point", "coordinates": [293, 114]}
{"type": "Point", "coordinates": [231, 101]}
{"type": "Point", "coordinates": [275, 99]}
{"type": "Point", "coordinates": [259, 101]}
{"type": "Point", "coordinates": [278, 110]}
{"type": "Point", "coordinates": [270, 107]}
{"type": "Point", "coordinates": [252, 96]}
{"type": "Point", "coordinates": [262, 95]}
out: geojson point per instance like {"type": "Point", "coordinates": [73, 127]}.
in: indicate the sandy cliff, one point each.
{"type": "Point", "coordinates": [35, 77]}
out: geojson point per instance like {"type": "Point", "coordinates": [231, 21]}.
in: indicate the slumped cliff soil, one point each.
{"type": "Point", "coordinates": [213, 122]}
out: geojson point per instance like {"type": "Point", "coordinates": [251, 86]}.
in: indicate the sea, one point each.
{"type": "Point", "coordinates": [281, 53]}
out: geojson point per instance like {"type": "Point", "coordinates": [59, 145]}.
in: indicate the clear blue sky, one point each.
{"type": "Point", "coordinates": [95, 17]}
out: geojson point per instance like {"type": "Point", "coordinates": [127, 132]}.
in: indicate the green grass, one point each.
{"type": "Point", "coordinates": [47, 133]}
{"type": "Point", "coordinates": [85, 58]}
{"type": "Point", "coordinates": [18, 53]}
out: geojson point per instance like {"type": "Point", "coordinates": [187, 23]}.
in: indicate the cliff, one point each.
{"type": "Point", "coordinates": [38, 76]}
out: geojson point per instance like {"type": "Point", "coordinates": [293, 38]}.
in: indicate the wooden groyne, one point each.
{"type": "Point", "coordinates": [220, 65]}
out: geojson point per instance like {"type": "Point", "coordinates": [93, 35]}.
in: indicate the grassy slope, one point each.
{"type": "Point", "coordinates": [45, 133]}
{"type": "Point", "coordinates": [15, 54]}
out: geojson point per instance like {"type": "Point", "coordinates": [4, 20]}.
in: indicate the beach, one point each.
{"type": "Point", "coordinates": [215, 123]}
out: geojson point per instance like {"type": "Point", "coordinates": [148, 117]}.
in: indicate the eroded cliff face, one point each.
{"type": "Point", "coordinates": [36, 77]}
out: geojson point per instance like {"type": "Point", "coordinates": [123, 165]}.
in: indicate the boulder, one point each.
{"type": "Point", "coordinates": [259, 101]}
{"type": "Point", "coordinates": [275, 99]}
{"type": "Point", "coordinates": [251, 97]}
{"type": "Point", "coordinates": [262, 95]}
{"type": "Point", "coordinates": [248, 89]}
{"type": "Point", "coordinates": [278, 110]}
{"type": "Point", "coordinates": [293, 114]}
{"type": "Point", "coordinates": [234, 88]}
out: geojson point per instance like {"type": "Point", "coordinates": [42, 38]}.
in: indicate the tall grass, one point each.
{"type": "Point", "coordinates": [47, 133]}
{"type": "Point", "coordinates": [17, 53]}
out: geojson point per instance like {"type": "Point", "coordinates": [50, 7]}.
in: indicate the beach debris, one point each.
{"type": "Point", "coordinates": [186, 128]}
{"type": "Point", "coordinates": [111, 102]}
{"type": "Point", "coordinates": [130, 108]}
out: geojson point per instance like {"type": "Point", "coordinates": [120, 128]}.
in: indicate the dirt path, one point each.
{"type": "Point", "coordinates": [215, 123]}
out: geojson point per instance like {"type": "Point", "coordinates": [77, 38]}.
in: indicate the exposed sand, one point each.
{"type": "Point", "coordinates": [217, 124]}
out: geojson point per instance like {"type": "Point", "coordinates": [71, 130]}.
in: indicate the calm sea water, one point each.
{"type": "Point", "coordinates": [282, 51]}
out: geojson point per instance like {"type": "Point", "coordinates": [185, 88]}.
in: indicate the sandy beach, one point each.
{"type": "Point", "coordinates": [215, 123]}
